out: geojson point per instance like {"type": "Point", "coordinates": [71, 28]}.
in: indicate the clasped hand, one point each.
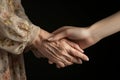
{"type": "Point", "coordinates": [61, 52]}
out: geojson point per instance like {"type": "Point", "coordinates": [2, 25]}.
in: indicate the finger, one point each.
{"type": "Point", "coordinates": [58, 56]}
{"type": "Point", "coordinates": [60, 33]}
{"type": "Point", "coordinates": [74, 45]}
{"type": "Point", "coordinates": [52, 58]}
{"type": "Point", "coordinates": [70, 58]}
{"type": "Point", "coordinates": [49, 53]}
{"type": "Point", "coordinates": [65, 53]}
{"type": "Point", "coordinates": [60, 64]}
{"type": "Point", "coordinates": [66, 62]}
{"type": "Point", "coordinates": [79, 61]}
{"type": "Point", "coordinates": [63, 58]}
{"type": "Point", "coordinates": [57, 62]}
{"type": "Point", "coordinates": [57, 66]}
{"type": "Point", "coordinates": [58, 36]}
{"type": "Point", "coordinates": [61, 29]}
{"type": "Point", "coordinates": [66, 59]}
{"type": "Point", "coordinates": [79, 54]}
{"type": "Point", "coordinates": [50, 62]}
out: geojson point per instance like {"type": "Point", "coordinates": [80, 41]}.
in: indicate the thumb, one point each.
{"type": "Point", "coordinates": [57, 36]}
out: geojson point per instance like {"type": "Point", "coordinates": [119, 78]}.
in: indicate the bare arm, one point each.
{"type": "Point", "coordinates": [106, 27]}
{"type": "Point", "coordinates": [88, 36]}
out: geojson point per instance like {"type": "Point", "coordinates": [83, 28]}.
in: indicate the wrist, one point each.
{"type": "Point", "coordinates": [41, 35]}
{"type": "Point", "coordinates": [94, 33]}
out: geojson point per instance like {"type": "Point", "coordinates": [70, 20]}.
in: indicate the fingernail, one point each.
{"type": "Point", "coordinates": [81, 50]}
{"type": "Point", "coordinates": [50, 62]}
{"type": "Point", "coordinates": [87, 59]}
{"type": "Point", "coordinates": [58, 66]}
{"type": "Point", "coordinates": [80, 61]}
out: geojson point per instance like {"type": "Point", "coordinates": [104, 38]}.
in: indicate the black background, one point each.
{"type": "Point", "coordinates": [104, 56]}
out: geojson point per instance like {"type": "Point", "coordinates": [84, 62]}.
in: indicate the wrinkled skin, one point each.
{"type": "Point", "coordinates": [62, 52]}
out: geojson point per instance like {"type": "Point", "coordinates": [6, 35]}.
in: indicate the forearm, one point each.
{"type": "Point", "coordinates": [106, 27]}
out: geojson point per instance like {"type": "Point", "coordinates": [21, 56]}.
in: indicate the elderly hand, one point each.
{"type": "Point", "coordinates": [62, 52]}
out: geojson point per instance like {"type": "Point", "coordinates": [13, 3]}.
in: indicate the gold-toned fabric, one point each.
{"type": "Point", "coordinates": [16, 33]}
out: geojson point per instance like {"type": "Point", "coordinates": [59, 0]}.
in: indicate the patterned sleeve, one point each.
{"type": "Point", "coordinates": [16, 30]}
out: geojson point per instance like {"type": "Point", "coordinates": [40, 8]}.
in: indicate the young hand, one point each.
{"type": "Point", "coordinates": [81, 36]}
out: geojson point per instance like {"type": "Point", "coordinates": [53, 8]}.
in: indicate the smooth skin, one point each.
{"type": "Point", "coordinates": [88, 36]}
